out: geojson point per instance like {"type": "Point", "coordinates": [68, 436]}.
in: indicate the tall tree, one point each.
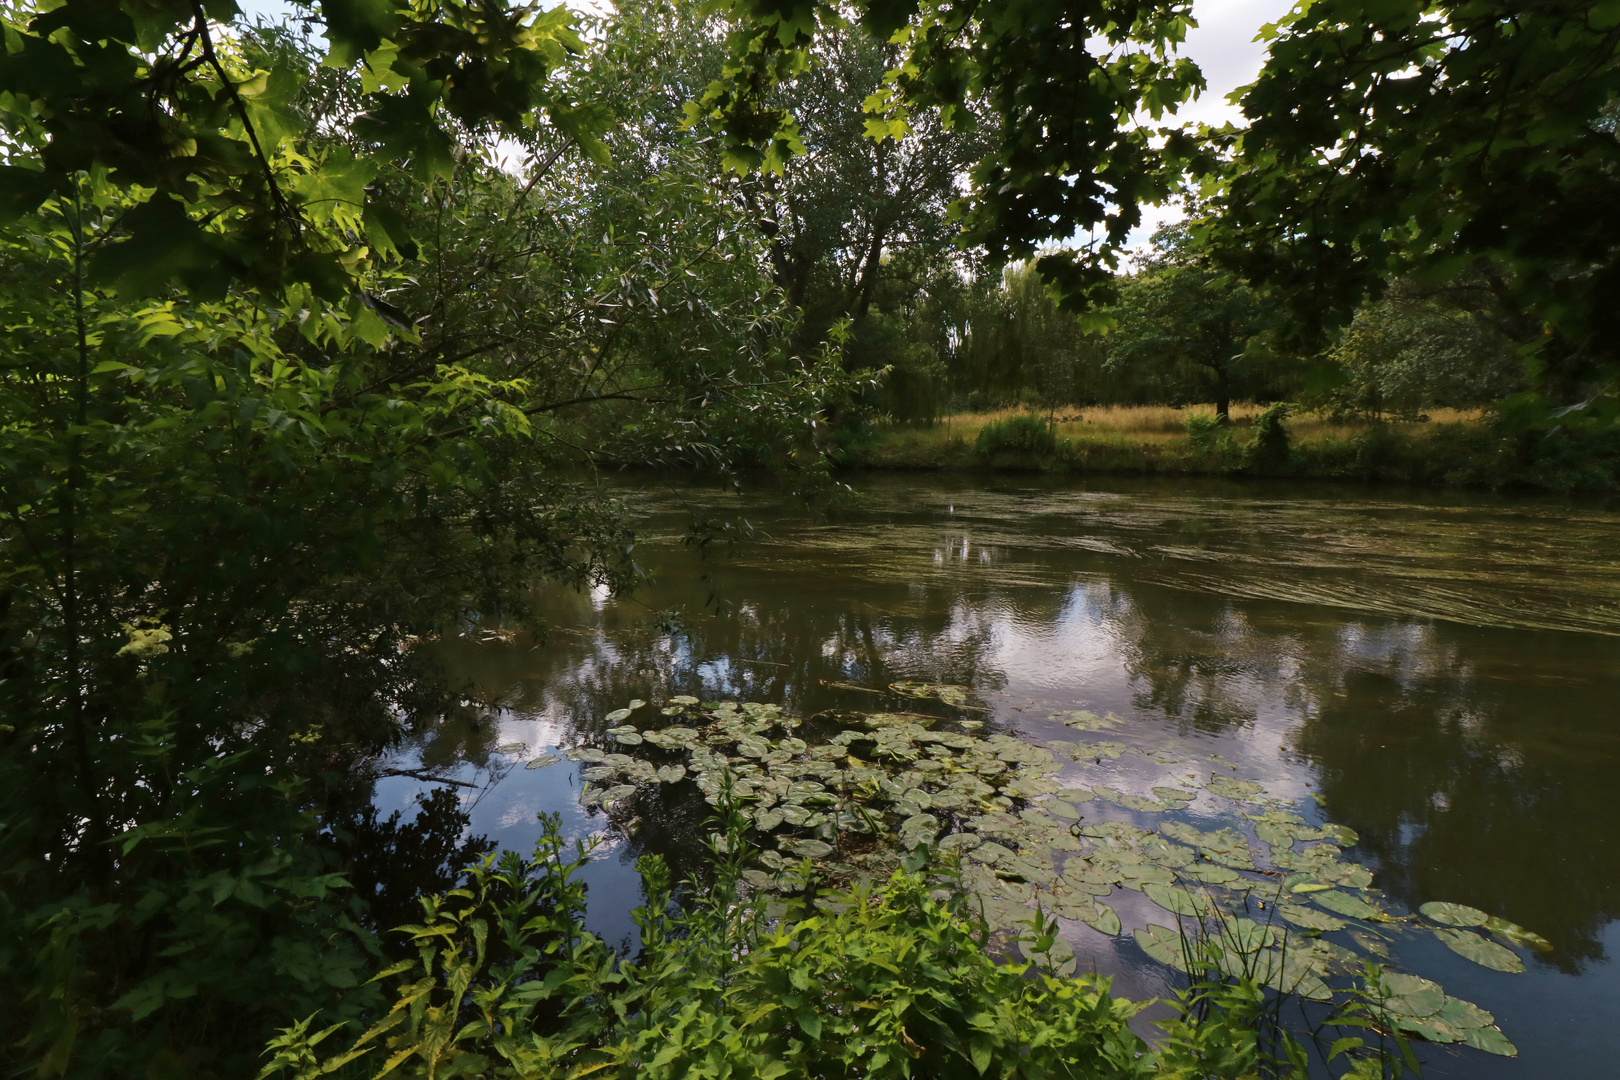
{"type": "Point", "coordinates": [840, 209]}
{"type": "Point", "coordinates": [1067, 83]}
{"type": "Point", "coordinates": [288, 373]}
{"type": "Point", "coordinates": [1199, 329]}
{"type": "Point", "coordinates": [1405, 137]}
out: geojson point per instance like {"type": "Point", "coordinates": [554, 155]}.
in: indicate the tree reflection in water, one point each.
{"type": "Point", "coordinates": [1475, 761]}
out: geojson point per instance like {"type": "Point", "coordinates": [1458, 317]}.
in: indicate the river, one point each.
{"type": "Point", "coordinates": [1437, 671]}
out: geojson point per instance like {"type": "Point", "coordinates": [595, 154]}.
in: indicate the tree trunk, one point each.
{"type": "Point", "coordinates": [867, 283]}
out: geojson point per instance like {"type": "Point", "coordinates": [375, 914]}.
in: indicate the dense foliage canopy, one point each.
{"type": "Point", "coordinates": [1472, 137]}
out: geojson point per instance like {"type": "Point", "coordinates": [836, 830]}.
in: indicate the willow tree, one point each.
{"type": "Point", "coordinates": [1074, 90]}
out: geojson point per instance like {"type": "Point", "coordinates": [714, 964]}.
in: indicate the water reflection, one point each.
{"type": "Point", "coordinates": [1440, 671]}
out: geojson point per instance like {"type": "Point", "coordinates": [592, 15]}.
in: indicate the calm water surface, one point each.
{"type": "Point", "coordinates": [1441, 671]}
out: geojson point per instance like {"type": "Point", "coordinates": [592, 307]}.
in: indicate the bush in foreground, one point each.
{"type": "Point", "coordinates": [896, 981]}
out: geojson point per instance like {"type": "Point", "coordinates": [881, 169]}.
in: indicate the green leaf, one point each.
{"type": "Point", "coordinates": [1454, 914]}
{"type": "Point", "coordinates": [1342, 903]}
{"type": "Point", "coordinates": [341, 178]}
{"type": "Point", "coordinates": [981, 1050]}
{"type": "Point", "coordinates": [22, 190]}
{"type": "Point", "coordinates": [1481, 951]}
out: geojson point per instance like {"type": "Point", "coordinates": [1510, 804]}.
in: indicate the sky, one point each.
{"type": "Point", "coordinates": [1223, 46]}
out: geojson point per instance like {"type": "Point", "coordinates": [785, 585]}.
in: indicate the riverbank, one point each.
{"type": "Point", "coordinates": [1449, 449]}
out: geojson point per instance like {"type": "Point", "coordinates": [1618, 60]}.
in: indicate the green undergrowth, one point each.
{"type": "Point", "coordinates": [897, 979]}
{"type": "Point", "coordinates": [895, 894]}
{"type": "Point", "coordinates": [1471, 454]}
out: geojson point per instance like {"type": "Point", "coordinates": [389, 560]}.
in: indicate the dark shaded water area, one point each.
{"type": "Point", "coordinates": [1438, 672]}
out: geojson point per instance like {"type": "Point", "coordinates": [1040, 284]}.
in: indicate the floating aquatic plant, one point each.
{"type": "Point", "coordinates": [844, 796]}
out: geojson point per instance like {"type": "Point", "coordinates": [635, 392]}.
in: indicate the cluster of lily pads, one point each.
{"type": "Point", "coordinates": [842, 796]}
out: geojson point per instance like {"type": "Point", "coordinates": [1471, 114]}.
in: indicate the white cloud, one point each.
{"type": "Point", "coordinates": [1224, 48]}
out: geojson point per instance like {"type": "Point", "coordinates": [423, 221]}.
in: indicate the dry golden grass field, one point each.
{"type": "Point", "coordinates": [1152, 431]}
{"type": "Point", "coordinates": [1165, 422]}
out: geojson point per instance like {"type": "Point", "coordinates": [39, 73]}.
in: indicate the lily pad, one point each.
{"type": "Point", "coordinates": [1454, 914]}
{"type": "Point", "coordinates": [767, 820]}
{"type": "Point", "coordinates": [1309, 918]}
{"type": "Point", "coordinates": [1342, 903]}
{"type": "Point", "coordinates": [1162, 852]}
{"type": "Point", "coordinates": [1290, 979]}
{"type": "Point", "coordinates": [1100, 918]}
{"type": "Point", "coordinates": [1411, 995]}
{"type": "Point", "coordinates": [1490, 1040]}
{"type": "Point", "coordinates": [921, 823]}
{"type": "Point", "coordinates": [1370, 942]}
{"type": "Point", "coordinates": [542, 761]}
{"type": "Point", "coordinates": [1234, 789]}
{"type": "Point", "coordinates": [950, 695]}
{"type": "Point", "coordinates": [1210, 873]}
{"type": "Point", "coordinates": [810, 849]}
{"type": "Point", "coordinates": [1343, 835]}
{"type": "Point", "coordinates": [1480, 950]}
{"type": "Point", "coordinates": [1244, 936]}
{"type": "Point", "coordinates": [1172, 899]}
{"type": "Point", "coordinates": [1518, 935]}
{"type": "Point", "coordinates": [1140, 876]}
{"type": "Point", "coordinates": [1089, 879]}
{"type": "Point", "coordinates": [1059, 808]}
{"type": "Point", "coordinates": [1462, 1014]}
{"type": "Point", "coordinates": [671, 774]}
{"type": "Point", "coordinates": [618, 715]}
{"type": "Point", "coordinates": [614, 795]}
{"type": "Point", "coordinates": [1162, 944]}
{"type": "Point", "coordinates": [991, 852]}
{"type": "Point", "coordinates": [1002, 913]}
{"type": "Point", "coordinates": [1059, 959]}
{"type": "Point", "coordinates": [629, 738]}
{"type": "Point", "coordinates": [1087, 721]}
{"type": "Point", "coordinates": [1274, 834]}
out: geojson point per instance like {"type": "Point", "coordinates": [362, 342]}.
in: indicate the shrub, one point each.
{"type": "Point", "coordinates": [878, 982]}
{"type": "Point", "coordinates": [1201, 427]}
{"type": "Point", "coordinates": [1270, 446]}
{"type": "Point", "coordinates": [1025, 433]}
{"type": "Point", "coordinates": [875, 982]}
